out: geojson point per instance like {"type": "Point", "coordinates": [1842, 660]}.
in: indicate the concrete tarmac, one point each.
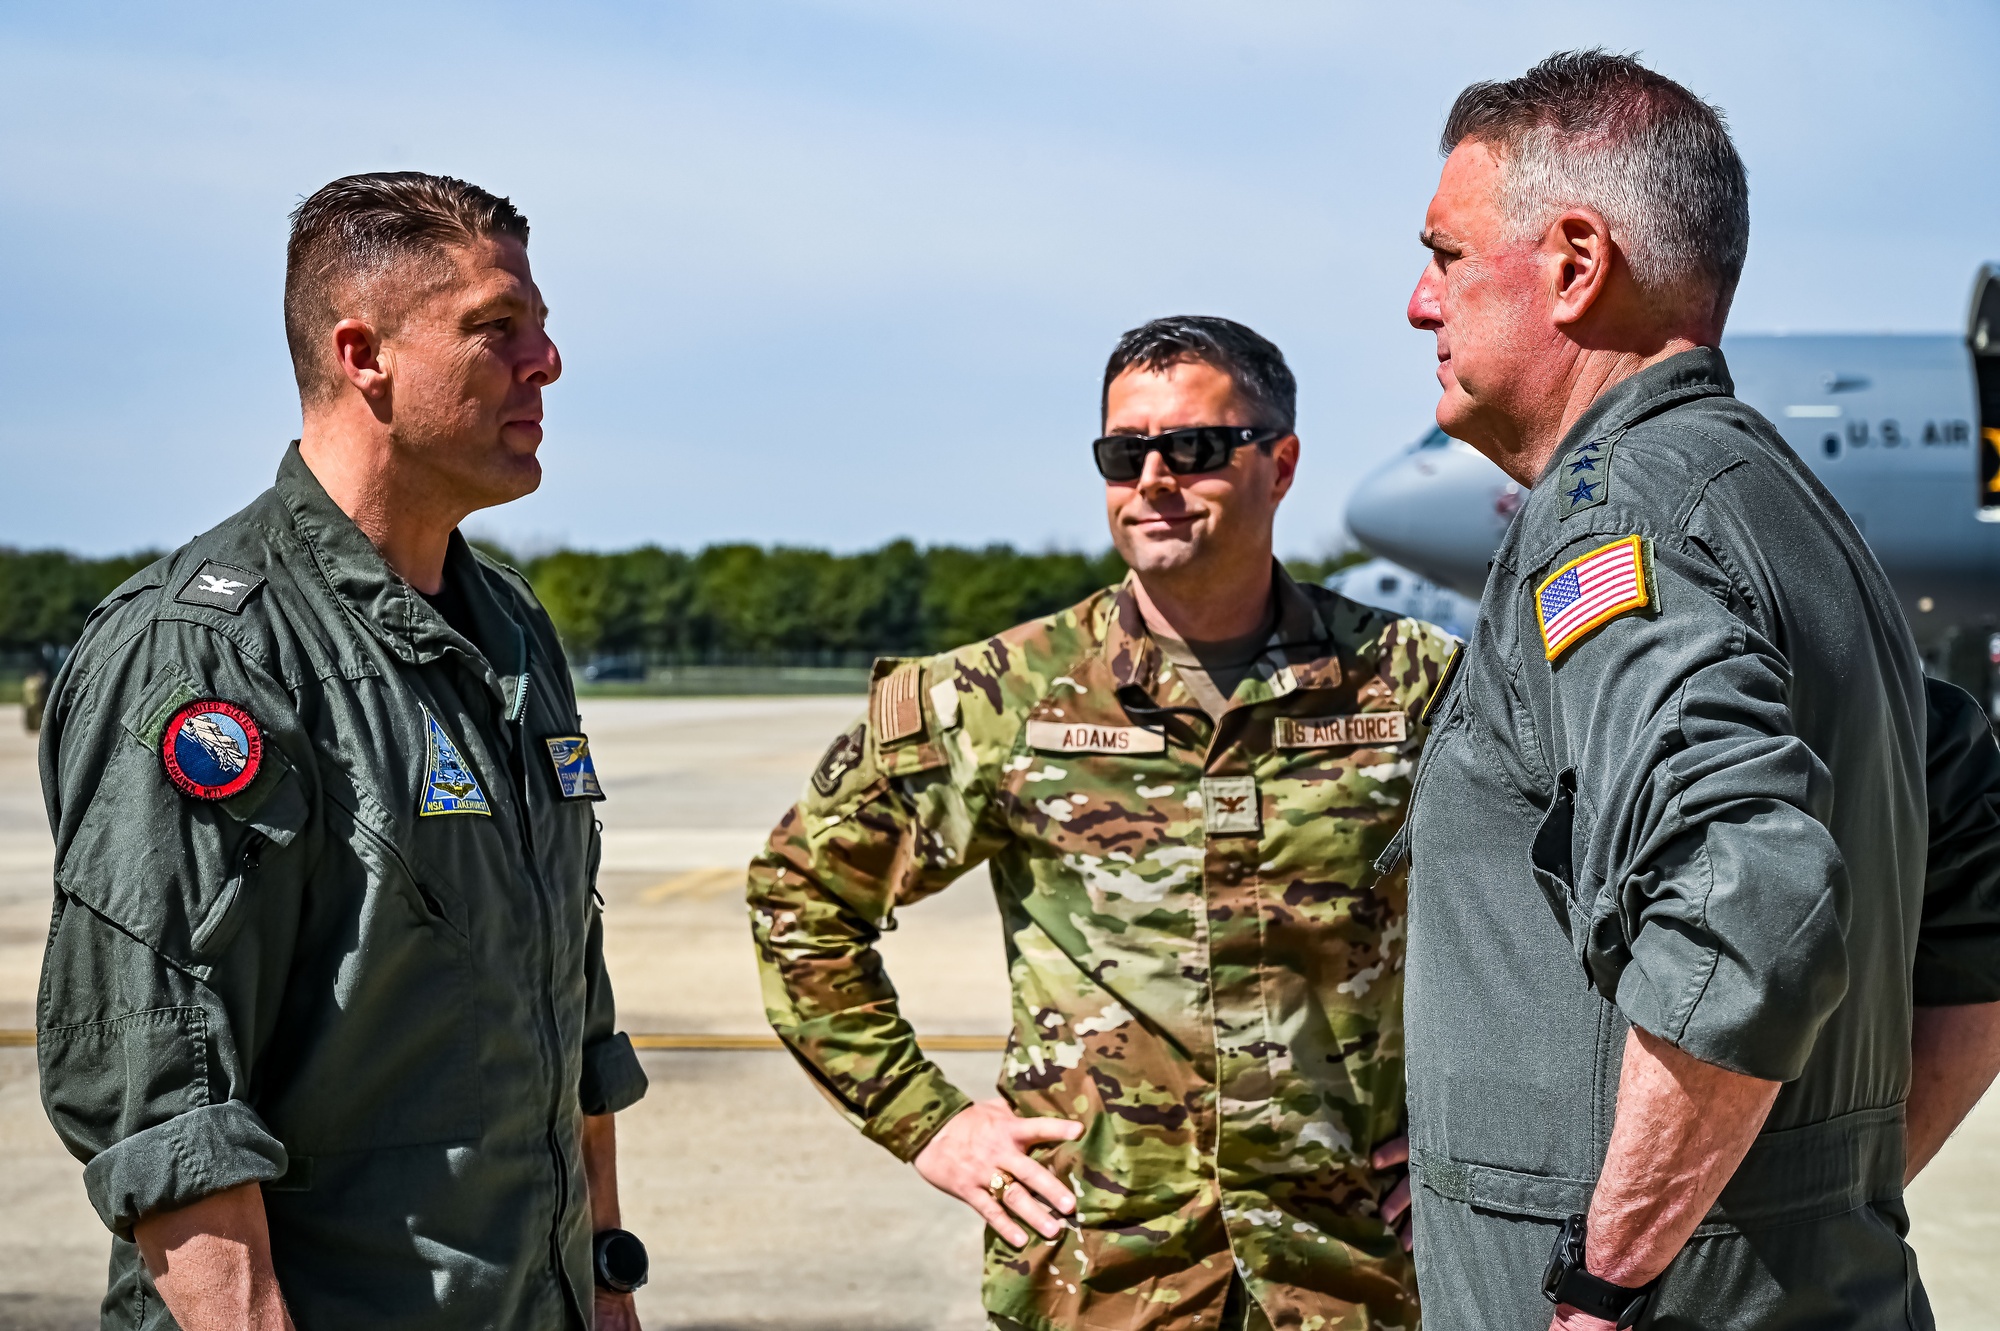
{"type": "Point", "coordinates": [763, 1209]}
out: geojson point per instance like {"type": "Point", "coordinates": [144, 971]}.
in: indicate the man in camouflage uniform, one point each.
{"type": "Point", "coordinates": [1179, 785]}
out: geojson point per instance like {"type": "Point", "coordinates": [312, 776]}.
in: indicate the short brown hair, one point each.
{"type": "Point", "coordinates": [1601, 130]}
{"type": "Point", "coordinates": [356, 229]}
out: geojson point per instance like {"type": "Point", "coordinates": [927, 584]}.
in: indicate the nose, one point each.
{"type": "Point", "coordinates": [544, 366]}
{"type": "Point", "coordinates": [1155, 477]}
{"type": "Point", "coordinates": [1425, 311]}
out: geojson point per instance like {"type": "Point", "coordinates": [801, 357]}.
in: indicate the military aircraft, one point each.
{"type": "Point", "coordinates": [1904, 429]}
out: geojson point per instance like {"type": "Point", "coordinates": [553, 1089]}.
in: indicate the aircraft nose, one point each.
{"type": "Point", "coordinates": [1438, 510]}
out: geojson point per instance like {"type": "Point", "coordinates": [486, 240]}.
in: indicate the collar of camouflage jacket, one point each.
{"type": "Point", "coordinates": [1698, 373]}
{"type": "Point", "coordinates": [1301, 654]}
{"type": "Point", "coordinates": [387, 605]}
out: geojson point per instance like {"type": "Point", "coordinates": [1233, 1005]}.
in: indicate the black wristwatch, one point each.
{"type": "Point", "coordinates": [1567, 1282]}
{"type": "Point", "coordinates": [619, 1260]}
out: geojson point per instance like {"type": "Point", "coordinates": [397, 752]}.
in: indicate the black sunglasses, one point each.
{"type": "Point", "coordinates": [1121, 457]}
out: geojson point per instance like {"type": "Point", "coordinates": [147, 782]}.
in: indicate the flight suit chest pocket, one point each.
{"type": "Point", "coordinates": [393, 1058]}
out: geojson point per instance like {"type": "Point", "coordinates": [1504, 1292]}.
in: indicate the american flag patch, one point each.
{"type": "Point", "coordinates": [894, 710]}
{"type": "Point", "coordinates": [1587, 591]}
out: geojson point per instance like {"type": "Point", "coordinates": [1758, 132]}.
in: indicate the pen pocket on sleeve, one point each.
{"type": "Point", "coordinates": [1552, 857]}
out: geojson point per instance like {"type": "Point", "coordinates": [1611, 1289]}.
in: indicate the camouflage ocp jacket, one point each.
{"type": "Point", "coordinates": [1206, 972]}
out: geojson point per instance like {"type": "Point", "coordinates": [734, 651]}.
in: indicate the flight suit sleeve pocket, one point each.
{"type": "Point", "coordinates": [163, 869]}
{"type": "Point", "coordinates": [1552, 857]}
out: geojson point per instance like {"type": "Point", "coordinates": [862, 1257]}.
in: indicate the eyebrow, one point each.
{"type": "Point", "coordinates": [1431, 238]}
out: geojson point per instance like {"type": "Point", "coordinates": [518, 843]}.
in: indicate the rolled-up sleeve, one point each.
{"type": "Point", "coordinates": [1958, 942]}
{"type": "Point", "coordinates": [1714, 897]}
{"type": "Point", "coordinates": [173, 923]}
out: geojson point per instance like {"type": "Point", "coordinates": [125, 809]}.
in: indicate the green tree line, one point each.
{"type": "Point", "coordinates": [784, 603]}
{"type": "Point", "coordinates": [45, 595]}
{"type": "Point", "coordinates": [726, 603]}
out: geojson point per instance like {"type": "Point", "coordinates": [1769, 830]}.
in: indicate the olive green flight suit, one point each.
{"type": "Point", "coordinates": [1707, 816]}
{"type": "Point", "coordinates": [372, 979]}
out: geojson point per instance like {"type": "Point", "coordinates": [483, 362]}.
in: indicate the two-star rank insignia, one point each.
{"type": "Point", "coordinates": [576, 775]}
{"type": "Point", "coordinates": [449, 784]}
{"type": "Point", "coordinates": [1589, 590]}
{"type": "Point", "coordinates": [212, 749]}
{"type": "Point", "coordinates": [1585, 476]}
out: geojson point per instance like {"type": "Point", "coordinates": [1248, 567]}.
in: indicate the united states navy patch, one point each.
{"type": "Point", "coordinates": [1589, 590]}
{"type": "Point", "coordinates": [576, 774]}
{"type": "Point", "coordinates": [449, 785]}
{"type": "Point", "coordinates": [212, 749]}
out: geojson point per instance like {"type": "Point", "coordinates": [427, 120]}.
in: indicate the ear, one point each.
{"type": "Point", "coordinates": [1582, 256]}
{"type": "Point", "coordinates": [1285, 454]}
{"type": "Point", "coordinates": [357, 347]}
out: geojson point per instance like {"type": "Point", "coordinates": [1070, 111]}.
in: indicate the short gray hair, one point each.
{"type": "Point", "coordinates": [1602, 131]}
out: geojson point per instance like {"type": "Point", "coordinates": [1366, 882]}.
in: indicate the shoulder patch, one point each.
{"type": "Point", "coordinates": [841, 757]}
{"type": "Point", "coordinates": [576, 774]}
{"type": "Point", "coordinates": [1590, 590]}
{"type": "Point", "coordinates": [212, 749]}
{"type": "Point", "coordinates": [449, 784]}
{"type": "Point", "coordinates": [222, 586]}
{"type": "Point", "coordinates": [1583, 477]}
{"type": "Point", "coordinates": [895, 702]}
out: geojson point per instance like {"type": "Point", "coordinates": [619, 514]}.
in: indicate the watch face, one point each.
{"type": "Point", "coordinates": [621, 1261]}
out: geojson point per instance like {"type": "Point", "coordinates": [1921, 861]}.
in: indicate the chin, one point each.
{"type": "Point", "coordinates": [1161, 556]}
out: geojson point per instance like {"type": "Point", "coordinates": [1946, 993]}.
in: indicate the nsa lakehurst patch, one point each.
{"type": "Point", "coordinates": [576, 774]}
{"type": "Point", "coordinates": [1590, 590]}
{"type": "Point", "coordinates": [212, 749]}
{"type": "Point", "coordinates": [449, 783]}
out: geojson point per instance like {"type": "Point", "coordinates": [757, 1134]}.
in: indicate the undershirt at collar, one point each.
{"type": "Point", "coordinates": [450, 603]}
{"type": "Point", "coordinates": [1212, 670]}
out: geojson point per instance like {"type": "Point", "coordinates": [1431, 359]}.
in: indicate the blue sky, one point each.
{"type": "Point", "coordinates": [833, 271]}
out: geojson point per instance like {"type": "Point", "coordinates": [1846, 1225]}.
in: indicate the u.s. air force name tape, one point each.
{"type": "Point", "coordinates": [1330, 732]}
{"type": "Point", "coordinates": [1077, 737]}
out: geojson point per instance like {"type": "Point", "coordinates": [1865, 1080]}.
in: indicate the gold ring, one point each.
{"type": "Point", "coordinates": [999, 1183]}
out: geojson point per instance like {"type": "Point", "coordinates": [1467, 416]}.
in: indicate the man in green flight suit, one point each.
{"type": "Point", "coordinates": [324, 1009]}
{"type": "Point", "coordinates": [1704, 874]}
{"type": "Point", "coordinates": [1178, 785]}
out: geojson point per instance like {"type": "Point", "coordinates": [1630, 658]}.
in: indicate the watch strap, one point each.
{"type": "Point", "coordinates": [1568, 1282]}
{"type": "Point", "coordinates": [1600, 1298]}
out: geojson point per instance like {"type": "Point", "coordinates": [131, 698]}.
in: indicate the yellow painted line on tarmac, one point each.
{"type": "Point", "coordinates": [697, 883]}
{"type": "Point", "coordinates": [687, 1040]}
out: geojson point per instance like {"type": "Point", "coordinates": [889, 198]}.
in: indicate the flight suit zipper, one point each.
{"type": "Point", "coordinates": [517, 721]}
